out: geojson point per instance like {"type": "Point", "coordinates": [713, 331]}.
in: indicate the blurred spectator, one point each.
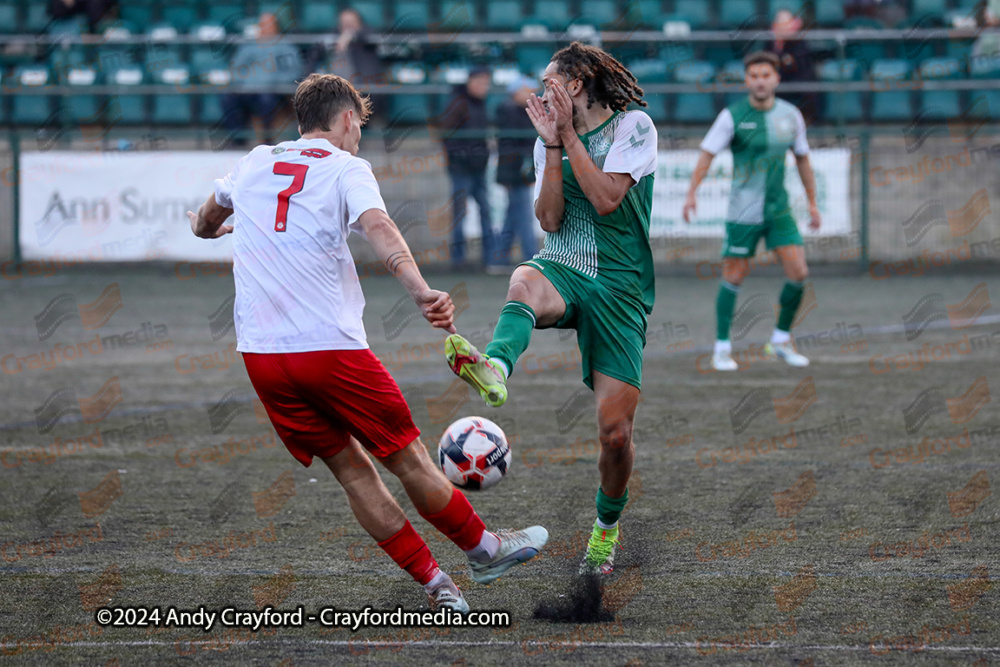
{"type": "Point", "coordinates": [516, 169]}
{"type": "Point", "coordinates": [94, 10]}
{"type": "Point", "coordinates": [262, 65]}
{"type": "Point", "coordinates": [463, 125]}
{"type": "Point", "coordinates": [353, 56]}
{"type": "Point", "coordinates": [796, 61]}
{"type": "Point", "coordinates": [987, 45]}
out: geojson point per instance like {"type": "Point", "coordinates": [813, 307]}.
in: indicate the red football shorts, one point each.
{"type": "Point", "coordinates": [318, 400]}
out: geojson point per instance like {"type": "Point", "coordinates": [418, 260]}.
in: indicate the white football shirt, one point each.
{"type": "Point", "coordinates": [295, 204]}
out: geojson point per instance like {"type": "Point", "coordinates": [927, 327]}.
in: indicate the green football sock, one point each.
{"type": "Point", "coordinates": [791, 297]}
{"type": "Point", "coordinates": [725, 304]}
{"type": "Point", "coordinates": [609, 509]}
{"type": "Point", "coordinates": [512, 333]}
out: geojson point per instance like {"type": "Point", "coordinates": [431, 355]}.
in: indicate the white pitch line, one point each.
{"type": "Point", "coordinates": [433, 643]}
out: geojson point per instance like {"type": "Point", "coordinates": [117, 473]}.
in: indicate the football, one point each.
{"type": "Point", "coordinates": [473, 453]}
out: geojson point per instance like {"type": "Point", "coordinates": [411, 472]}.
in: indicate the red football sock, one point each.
{"type": "Point", "coordinates": [459, 522]}
{"type": "Point", "coordinates": [410, 552]}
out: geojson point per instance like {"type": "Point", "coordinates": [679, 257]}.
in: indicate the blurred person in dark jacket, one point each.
{"type": "Point", "coordinates": [796, 61]}
{"type": "Point", "coordinates": [94, 10]}
{"type": "Point", "coordinates": [516, 170]}
{"type": "Point", "coordinates": [463, 126]}
{"type": "Point", "coordinates": [256, 67]}
{"type": "Point", "coordinates": [353, 55]}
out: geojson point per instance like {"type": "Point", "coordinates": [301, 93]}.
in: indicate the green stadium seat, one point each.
{"type": "Point", "coordinates": [599, 13]}
{"type": "Point", "coordinates": [697, 13]}
{"type": "Point", "coordinates": [695, 107]}
{"type": "Point", "coordinates": [940, 104]}
{"type": "Point", "coordinates": [649, 71]}
{"type": "Point", "coordinates": [891, 98]}
{"type": "Point", "coordinates": [730, 80]}
{"type": "Point", "coordinates": [210, 66]}
{"type": "Point", "coordinates": [64, 56]}
{"type": "Point", "coordinates": [735, 13]}
{"type": "Point", "coordinates": [159, 56]}
{"type": "Point", "coordinates": [119, 29]}
{"type": "Point", "coordinates": [925, 7]}
{"type": "Point", "coordinates": [411, 15]}
{"type": "Point", "coordinates": [457, 15]}
{"type": "Point", "coordinates": [208, 31]}
{"type": "Point", "coordinates": [553, 14]}
{"type": "Point", "coordinates": [985, 103]}
{"type": "Point", "coordinates": [533, 57]}
{"type": "Point", "coordinates": [81, 108]}
{"type": "Point", "coordinates": [8, 18]}
{"type": "Point", "coordinates": [675, 54]}
{"type": "Point", "coordinates": [961, 49]}
{"type": "Point", "coordinates": [36, 18]}
{"type": "Point", "coordinates": [646, 14]}
{"type": "Point", "coordinates": [410, 109]}
{"type": "Point", "coordinates": [130, 107]}
{"type": "Point", "coordinates": [180, 17]}
{"type": "Point", "coordinates": [141, 16]}
{"type": "Point", "coordinates": [228, 15]}
{"type": "Point", "coordinates": [318, 17]}
{"type": "Point", "coordinates": [371, 12]}
{"type": "Point", "coordinates": [31, 109]}
{"type": "Point", "coordinates": [504, 15]}
{"type": "Point", "coordinates": [848, 103]}
{"type": "Point", "coordinates": [830, 13]}
{"type": "Point", "coordinates": [718, 54]}
{"type": "Point", "coordinates": [210, 109]}
{"type": "Point", "coordinates": [656, 108]}
{"type": "Point", "coordinates": [865, 51]}
{"type": "Point", "coordinates": [173, 108]}
{"type": "Point", "coordinates": [112, 56]}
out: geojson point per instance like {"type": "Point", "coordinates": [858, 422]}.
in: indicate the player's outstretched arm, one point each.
{"type": "Point", "coordinates": [700, 169]}
{"type": "Point", "coordinates": [391, 248]}
{"type": "Point", "coordinates": [207, 223]}
{"type": "Point", "coordinates": [809, 183]}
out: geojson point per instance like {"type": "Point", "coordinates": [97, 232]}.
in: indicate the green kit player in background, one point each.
{"type": "Point", "coordinates": [594, 166]}
{"type": "Point", "coordinates": [759, 130]}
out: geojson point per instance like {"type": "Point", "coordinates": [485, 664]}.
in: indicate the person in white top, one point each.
{"type": "Point", "coordinates": [298, 316]}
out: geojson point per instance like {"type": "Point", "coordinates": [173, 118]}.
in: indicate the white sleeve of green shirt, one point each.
{"type": "Point", "coordinates": [539, 166]}
{"type": "Point", "coordinates": [801, 145]}
{"type": "Point", "coordinates": [720, 135]}
{"type": "Point", "coordinates": [633, 150]}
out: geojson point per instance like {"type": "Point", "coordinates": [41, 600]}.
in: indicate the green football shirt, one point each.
{"type": "Point", "coordinates": [613, 248]}
{"type": "Point", "coordinates": [759, 141]}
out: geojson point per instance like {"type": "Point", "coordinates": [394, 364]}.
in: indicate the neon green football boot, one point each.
{"type": "Point", "coordinates": [600, 558]}
{"type": "Point", "coordinates": [478, 370]}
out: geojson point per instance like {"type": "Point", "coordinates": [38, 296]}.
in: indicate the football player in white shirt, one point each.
{"type": "Point", "coordinates": [298, 317]}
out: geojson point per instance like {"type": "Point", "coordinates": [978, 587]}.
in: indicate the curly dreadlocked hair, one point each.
{"type": "Point", "coordinates": [606, 80]}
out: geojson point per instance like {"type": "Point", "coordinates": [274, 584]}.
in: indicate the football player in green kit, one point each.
{"type": "Point", "coordinates": [594, 167]}
{"type": "Point", "coordinates": [759, 130]}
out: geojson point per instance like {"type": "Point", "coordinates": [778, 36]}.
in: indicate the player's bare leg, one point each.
{"type": "Point", "coordinates": [616, 404]}
{"type": "Point", "coordinates": [734, 272]}
{"type": "Point", "coordinates": [382, 517]}
{"type": "Point", "coordinates": [448, 510]}
{"type": "Point", "coordinates": [793, 259]}
{"type": "Point", "coordinates": [532, 301]}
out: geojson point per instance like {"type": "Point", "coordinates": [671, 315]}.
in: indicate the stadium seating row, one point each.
{"type": "Point", "coordinates": [501, 15]}
{"type": "Point", "coordinates": [887, 100]}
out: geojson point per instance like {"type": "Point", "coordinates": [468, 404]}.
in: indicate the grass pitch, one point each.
{"type": "Point", "coordinates": [839, 514]}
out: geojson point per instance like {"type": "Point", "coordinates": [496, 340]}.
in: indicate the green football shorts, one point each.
{"type": "Point", "coordinates": [610, 328]}
{"type": "Point", "coordinates": [742, 238]}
